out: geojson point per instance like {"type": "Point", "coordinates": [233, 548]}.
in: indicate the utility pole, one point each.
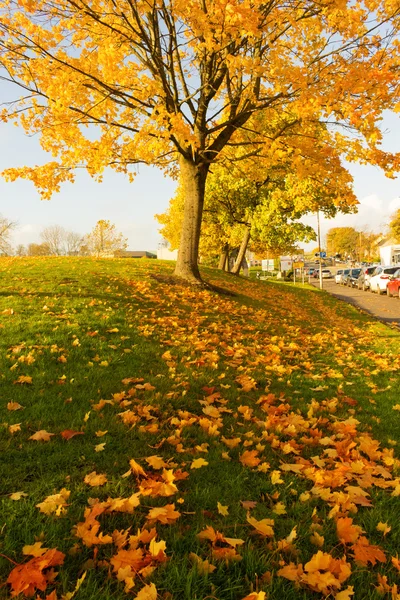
{"type": "Point", "coordinates": [319, 252]}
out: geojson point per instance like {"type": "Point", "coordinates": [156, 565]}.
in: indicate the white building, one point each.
{"type": "Point", "coordinates": [167, 254]}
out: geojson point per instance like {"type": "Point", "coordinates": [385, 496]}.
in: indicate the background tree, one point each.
{"type": "Point", "coordinates": [394, 225]}
{"type": "Point", "coordinates": [343, 241]}
{"type": "Point", "coordinates": [21, 250]}
{"type": "Point", "coordinates": [54, 238]}
{"type": "Point", "coordinates": [172, 83]}
{"type": "Point", "coordinates": [105, 239]}
{"type": "Point", "coordinates": [73, 243]}
{"type": "Point", "coordinates": [6, 228]}
{"type": "Point", "coordinates": [38, 250]}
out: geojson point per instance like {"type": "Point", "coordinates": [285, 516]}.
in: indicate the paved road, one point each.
{"type": "Point", "coordinates": [384, 308]}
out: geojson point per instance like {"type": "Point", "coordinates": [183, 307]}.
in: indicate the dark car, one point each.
{"type": "Point", "coordinates": [364, 277]}
{"type": "Point", "coordinates": [393, 286]}
{"type": "Point", "coordinates": [352, 277]}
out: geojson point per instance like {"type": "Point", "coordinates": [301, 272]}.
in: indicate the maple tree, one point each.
{"type": "Point", "coordinates": [394, 225]}
{"type": "Point", "coordinates": [104, 239]}
{"type": "Point", "coordinates": [172, 84]}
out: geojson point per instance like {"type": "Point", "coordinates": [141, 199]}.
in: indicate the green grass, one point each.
{"type": "Point", "coordinates": [78, 327]}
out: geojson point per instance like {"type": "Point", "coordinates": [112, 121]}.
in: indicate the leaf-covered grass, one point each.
{"type": "Point", "coordinates": [297, 377]}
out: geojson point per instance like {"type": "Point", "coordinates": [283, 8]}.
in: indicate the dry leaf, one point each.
{"type": "Point", "coordinates": [41, 436]}
{"type": "Point", "coordinates": [94, 479]}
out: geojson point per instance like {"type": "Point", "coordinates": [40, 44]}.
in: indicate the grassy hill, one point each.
{"type": "Point", "coordinates": [193, 443]}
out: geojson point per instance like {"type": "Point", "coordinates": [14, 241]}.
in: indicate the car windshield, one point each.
{"type": "Point", "coordinates": [370, 270]}
{"type": "Point", "coordinates": [346, 271]}
{"type": "Point", "coordinates": [356, 272]}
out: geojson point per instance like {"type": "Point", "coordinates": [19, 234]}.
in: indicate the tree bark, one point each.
{"type": "Point", "coordinates": [242, 252]}
{"type": "Point", "coordinates": [224, 258]}
{"type": "Point", "coordinates": [193, 178]}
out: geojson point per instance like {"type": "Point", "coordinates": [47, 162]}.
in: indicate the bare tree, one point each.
{"type": "Point", "coordinates": [38, 250]}
{"type": "Point", "coordinates": [73, 242]}
{"type": "Point", "coordinates": [21, 250]}
{"type": "Point", "coordinates": [6, 227]}
{"type": "Point", "coordinates": [54, 237]}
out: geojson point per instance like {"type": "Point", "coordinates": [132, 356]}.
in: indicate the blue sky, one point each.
{"type": "Point", "coordinates": [131, 207]}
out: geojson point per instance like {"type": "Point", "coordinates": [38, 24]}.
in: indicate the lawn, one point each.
{"type": "Point", "coordinates": [161, 441]}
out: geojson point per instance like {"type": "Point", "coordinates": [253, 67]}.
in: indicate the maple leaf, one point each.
{"type": "Point", "coordinates": [99, 447]}
{"type": "Point", "coordinates": [365, 553]}
{"type": "Point", "coordinates": [164, 514]}
{"type": "Point", "coordinates": [276, 478]}
{"type": "Point", "coordinates": [17, 495]}
{"type": "Point", "coordinates": [14, 428]}
{"type": "Point", "coordinates": [41, 436]}
{"type": "Point", "coordinates": [137, 469]}
{"type": "Point", "coordinates": [291, 571]}
{"type": "Point", "coordinates": [55, 503]}
{"type": "Point", "coordinates": [255, 596]}
{"type": "Point", "coordinates": [30, 576]}
{"type": "Point", "coordinates": [88, 530]}
{"type": "Point", "coordinates": [14, 406]}
{"type": "Point", "coordinates": [345, 594]}
{"type": "Point", "coordinates": [34, 550]}
{"type": "Point", "coordinates": [346, 531]}
{"type": "Point", "coordinates": [133, 558]}
{"type": "Point", "coordinates": [23, 379]}
{"type": "Point", "coordinates": [247, 383]}
{"type": "Point", "coordinates": [157, 462]}
{"type": "Point", "coordinates": [250, 458]}
{"type": "Point", "coordinates": [231, 443]}
{"type": "Point", "coordinates": [67, 434]}
{"type": "Point", "coordinates": [148, 592]}
{"type": "Point", "coordinates": [198, 463]}
{"type": "Point", "coordinates": [384, 528]}
{"type": "Point", "coordinates": [264, 526]}
{"type": "Point", "coordinates": [317, 540]}
{"type": "Point", "coordinates": [95, 479]}
{"type": "Point", "coordinates": [100, 433]}
{"type": "Point", "coordinates": [202, 566]}
{"type": "Point", "coordinates": [223, 510]}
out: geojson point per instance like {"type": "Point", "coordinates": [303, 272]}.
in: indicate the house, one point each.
{"type": "Point", "coordinates": [389, 250]}
{"type": "Point", "coordinates": [134, 254]}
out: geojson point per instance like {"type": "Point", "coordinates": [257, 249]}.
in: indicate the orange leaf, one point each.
{"type": "Point", "coordinates": [249, 458]}
{"type": "Point", "coordinates": [365, 553]}
{"type": "Point", "coordinates": [28, 577]}
{"type": "Point", "coordinates": [164, 514]}
{"type": "Point", "coordinates": [14, 406]}
{"type": "Point", "coordinates": [67, 434]}
{"type": "Point", "coordinates": [148, 592]}
{"type": "Point", "coordinates": [346, 531]}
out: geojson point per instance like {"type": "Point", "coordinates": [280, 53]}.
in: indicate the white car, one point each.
{"type": "Point", "coordinates": [380, 279]}
{"type": "Point", "coordinates": [326, 274]}
{"type": "Point", "coordinates": [338, 275]}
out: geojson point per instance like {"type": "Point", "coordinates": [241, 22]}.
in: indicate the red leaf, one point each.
{"type": "Point", "coordinates": [67, 434]}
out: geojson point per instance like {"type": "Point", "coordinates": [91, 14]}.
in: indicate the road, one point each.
{"type": "Point", "coordinates": [383, 308]}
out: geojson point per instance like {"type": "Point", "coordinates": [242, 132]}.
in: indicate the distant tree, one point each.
{"type": "Point", "coordinates": [394, 225]}
{"type": "Point", "coordinates": [344, 241]}
{"type": "Point", "coordinates": [73, 243]}
{"type": "Point", "coordinates": [105, 239]}
{"type": "Point", "coordinates": [39, 250]}
{"type": "Point", "coordinates": [6, 228]}
{"type": "Point", "coordinates": [54, 237]}
{"type": "Point", "coordinates": [20, 250]}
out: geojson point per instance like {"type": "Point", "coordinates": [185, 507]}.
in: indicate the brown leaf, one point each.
{"type": "Point", "coordinates": [67, 434]}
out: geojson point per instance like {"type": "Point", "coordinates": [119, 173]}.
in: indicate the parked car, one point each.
{"type": "Point", "coordinates": [326, 274]}
{"type": "Point", "coordinates": [380, 279]}
{"type": "Point", "coordinates": [352, 277]}
{"type": "Point", "coordinates": [343, 277]}
{"type": "Point", "coordinates": [393, 286]}
{"type": "Point", "coordinates": [364, 277]}
{"type": "Point", "coordinates": [338, 275]}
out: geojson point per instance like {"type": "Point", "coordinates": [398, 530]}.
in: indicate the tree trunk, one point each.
{"type": "Point", "coordinates": [193, 179]}
{"type": "Point", "coordinates": [224, 258]}
{"type": "Point", "coordinates": [242, 252]}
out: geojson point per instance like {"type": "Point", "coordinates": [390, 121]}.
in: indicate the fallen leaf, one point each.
{"type": "Point", "coordinates": [164, 514]}
{"type": "Point", "coordinates": [148, 592]}
{"type": "Point", "coordinates": [34, 550]}
{"type": "Point", "coordinates": [198, 463]}
{"type": "Point", "coordinates": [223, 510]}
{"type": "Point", "coordinates": [14, 406]}
{"type": "Point", "coordinates": [94, 479]}
{"type": "Point", "coordinates": [17, 495]}
{"type": "Point", "coordinates": [41, 436]}
{"type": "Point", "coordinates": [67, 434]}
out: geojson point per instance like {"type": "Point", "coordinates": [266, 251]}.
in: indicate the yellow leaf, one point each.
{"type": "Point", "coordinates": [34, 550]}
{"type": "Point", "coordinates": [14, 428]}
{"type": "Point", "coordinates": [99, 447]}
{"type": "Point", "coordinates": [203, 566]}
{"type": "Point", "coordinates": [94, 479]}
{"type": "Point", "coordinates": [264, 526]}
{"type": "Point", "coordinates": [164, 514]}
{"type": "Point", "coordinates": [279, 508]}
{"type": "Point", "coordinates": [383, 527]}
{"type": "Point", "coordinates": [17, 495]}
{"type": "Point", "coordinates": [70, 595]}
{"type": "Point", "coordinates": [276, 477]}
{"type": "Point", "coordinates": [148, 592]}
{"type": "Point", "coordinates": [223, 510]}
{"type": "Point", "coordinates": [55, 503]}
{"type": "Point", "coordinates": [41, 435]}
{"type": "Point", "coordinates": [101, 433]}
{"type": "Point", "coordinates": [198, 463]}
{"type": "Point", "coordinates": [255, 596]}
{"type": "Point", "coordinates": [157, 462]}
{"type": "Point", "coordinates": [345, 594]}
{"type": "Point", "coordinates": [317, 540]}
